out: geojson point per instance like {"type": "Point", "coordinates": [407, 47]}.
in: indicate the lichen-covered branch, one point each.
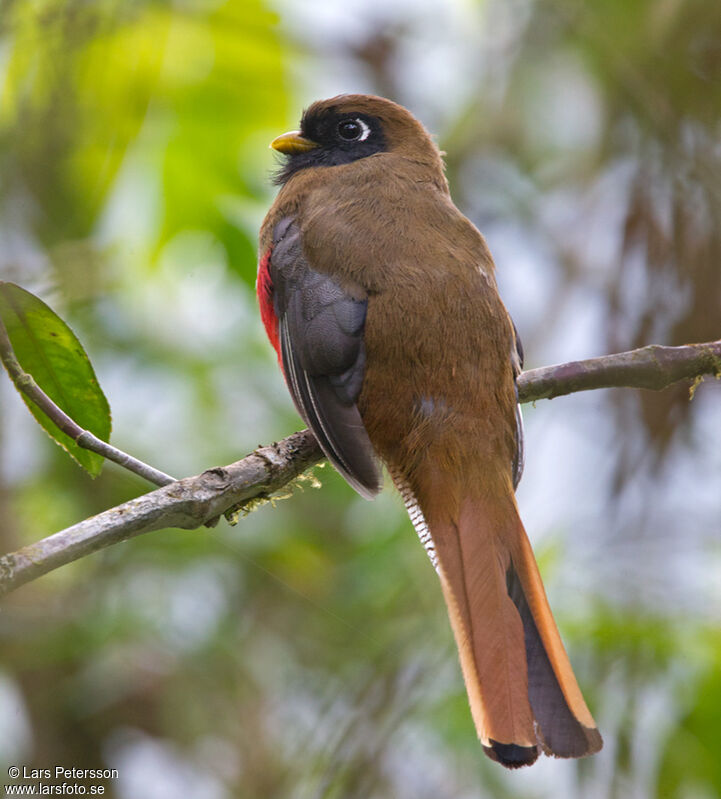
{"type": "Point", "coordinates": [188, 503]}
{"type": "Point", "coordinates": [197, 501]}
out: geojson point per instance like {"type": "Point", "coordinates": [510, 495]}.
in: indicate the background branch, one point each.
{"type": "Point", "coordinates": [195, 501]}
{"type": "Point", "coordinates": [653, 367]}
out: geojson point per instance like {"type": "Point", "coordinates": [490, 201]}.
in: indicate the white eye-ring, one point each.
{"type": "Point", "coordinates": [353, 130]}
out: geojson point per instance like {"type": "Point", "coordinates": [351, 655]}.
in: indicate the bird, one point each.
{"type": "Point", "coordinates": [380, 299]}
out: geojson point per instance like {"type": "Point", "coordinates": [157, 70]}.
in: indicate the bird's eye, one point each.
{"type": "Point", "coordinates": [353, 130]}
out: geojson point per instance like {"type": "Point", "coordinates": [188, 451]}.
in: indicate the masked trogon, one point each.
{"type": "Point", "coordinates": [380, 299]}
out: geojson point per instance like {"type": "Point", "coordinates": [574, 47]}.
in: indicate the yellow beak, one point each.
{"type": "Point", "coordinates": [292, 142]}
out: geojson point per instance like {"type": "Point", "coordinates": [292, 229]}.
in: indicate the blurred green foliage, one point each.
{"type": "Point", "coordinates": [307, 653]}
{"type": "Point", "coordinates": [47, 350]}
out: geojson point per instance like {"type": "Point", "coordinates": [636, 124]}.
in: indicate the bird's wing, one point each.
{"type": "Point", "coordinates": [320, 331]}
{"type": "Point", "coordinates": [517, 363]}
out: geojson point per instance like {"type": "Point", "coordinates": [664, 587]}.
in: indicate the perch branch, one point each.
{"type": "Point", "coordinates": [188, 503]}
{"type": "Point", "coordinates": [195, 501]}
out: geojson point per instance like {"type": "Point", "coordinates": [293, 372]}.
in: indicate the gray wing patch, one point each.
{"type": "Point", "coordinates": [323, 354]}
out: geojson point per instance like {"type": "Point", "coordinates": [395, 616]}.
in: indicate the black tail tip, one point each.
{"type": "Point", "coordinates": [511, 755]}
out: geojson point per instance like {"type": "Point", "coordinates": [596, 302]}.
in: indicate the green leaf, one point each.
{"type": "Point", "coordinates": [49, 351]}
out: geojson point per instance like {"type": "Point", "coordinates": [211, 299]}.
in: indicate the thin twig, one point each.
{"type": "Point", "coordinates": [195, 501]}
{"type": "Point", "coordinates": [83, 438]}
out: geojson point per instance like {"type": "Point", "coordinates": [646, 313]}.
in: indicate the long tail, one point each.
{"type": "Point", "coordinates": [522, 691]}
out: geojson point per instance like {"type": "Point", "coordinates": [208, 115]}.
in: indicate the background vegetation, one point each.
{"type": "Point", "coordinates": [306, 652]}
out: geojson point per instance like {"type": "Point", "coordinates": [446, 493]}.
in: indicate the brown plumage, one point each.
{"type": "Point", "coordinates": [381, 299]}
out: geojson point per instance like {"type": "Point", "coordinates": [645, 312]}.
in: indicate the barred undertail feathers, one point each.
{"type": "Point", "coordinates": [416, 516]}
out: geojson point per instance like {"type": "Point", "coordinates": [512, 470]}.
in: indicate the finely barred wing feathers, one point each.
{"type": "Point", "coordinates": [519, 456]}
{"type": "Point", "coordinates": [517, 363]}
{"type": "Point", "coordinates": [323, 355]}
